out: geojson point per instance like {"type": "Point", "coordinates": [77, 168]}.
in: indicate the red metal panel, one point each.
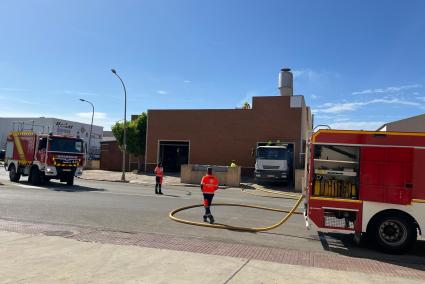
{"type": "Point", "coordinates": [418, 190]}
{"type": "Point", "coordinates": [24, 146]}
{"type": "Point", "coordinates": [370, 173]}
{"type": "Point", "coordinates": [396, 174]}
{"type": "Point", "coordinates": [388, 178]}
{"type": "Point", "coordinates": [374, 154]}
{"type": "Point", "coordinates": [369, 138]}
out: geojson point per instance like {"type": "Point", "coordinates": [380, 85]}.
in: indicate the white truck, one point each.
{"type": "Point", "coordinates": [273, 163]}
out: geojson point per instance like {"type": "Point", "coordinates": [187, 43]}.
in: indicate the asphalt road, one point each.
{"type": "Point", "coordinates": [135, 208]}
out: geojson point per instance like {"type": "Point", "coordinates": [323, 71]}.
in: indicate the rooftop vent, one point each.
{"type": "Point", "coordinates": [286, 82]}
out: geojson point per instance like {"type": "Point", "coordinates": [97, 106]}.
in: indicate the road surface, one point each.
{"type": "Point", "coordinates": [134, 208]}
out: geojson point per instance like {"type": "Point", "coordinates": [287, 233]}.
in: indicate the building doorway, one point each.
{"type": "Point", "coordinates": [173, 154]}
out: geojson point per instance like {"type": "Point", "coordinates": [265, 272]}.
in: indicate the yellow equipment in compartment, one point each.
{"type": "Point", "coordinates": [332, 187]}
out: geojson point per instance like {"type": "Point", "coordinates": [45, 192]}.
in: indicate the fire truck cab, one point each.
{"type": "Point", "coordinates": [42, 157]}
{"type": "Point", "coordinates": [370, 183]}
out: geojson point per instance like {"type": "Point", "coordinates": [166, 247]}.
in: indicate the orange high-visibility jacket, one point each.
{"type": "Point", "coordinates": [209, 184]}
{"type": "Point", "coordinates": [159, 172]}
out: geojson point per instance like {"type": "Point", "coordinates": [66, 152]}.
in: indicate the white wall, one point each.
{"type": "Point", "coordinates": [54, 125]}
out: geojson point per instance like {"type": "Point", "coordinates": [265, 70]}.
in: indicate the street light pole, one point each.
{"type": "Point", "coordinates": [91, 125]}
{"type": "Point", "coordinates": [125, 126]}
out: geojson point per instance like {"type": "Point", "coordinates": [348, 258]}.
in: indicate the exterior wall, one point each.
{"type": "Point", "coordinates": [54, 125]}
{"type": "Point", "coordinates": [412, 124]}
{"type": "Point", "coordinates": [306, 127]}
{"type": "Point", "coordinates": [299, 180]}
{"type": "Point", "coordinates": [218, 136]}
{"type": "Point", "coordinates": [232, 177]}
{"type": "Point", "coordinates": [111, 156]}
{"type": "Point", "coordinates": [92, 165]}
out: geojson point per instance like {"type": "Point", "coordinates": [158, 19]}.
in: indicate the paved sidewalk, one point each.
{"type": "Point", "coordinates": [131, 177]}
{"type": "Point", "coordinates": [149, 179]}
{"type": "Point", "coordinates": [377, 266]}
{"type": "Point", "coordinates": [43, 259]}
{"type": "Point", "coordinates": [138, 178]}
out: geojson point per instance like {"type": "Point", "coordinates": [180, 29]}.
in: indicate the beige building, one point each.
{"type": "Point", "coordinates": [411, 124]}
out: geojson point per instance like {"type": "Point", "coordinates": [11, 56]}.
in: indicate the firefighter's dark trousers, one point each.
{"type": "Point", "coordinates": [158, 185]}
{"type": "Point", "coordinates": [207, 203]}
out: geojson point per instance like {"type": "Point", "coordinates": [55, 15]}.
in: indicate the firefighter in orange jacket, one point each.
{"type": "Point", "coordinates": [159, 176]}
{"type": "Point", "coordinates": [209, 185]}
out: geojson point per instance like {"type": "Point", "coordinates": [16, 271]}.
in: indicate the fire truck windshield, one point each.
{"type": "Point", "coordinates": [272, 153]}
{"type": "Point", "coordinates": [66, 145]}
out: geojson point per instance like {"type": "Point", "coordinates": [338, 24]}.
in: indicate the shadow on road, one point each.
{"type": "Point", "coordinates": [249, 183]}
{"type": "Point", "coordinates": [56, 186]}
{"type": "Point", "coordinates": [344, 244]}
{"type": "Point", "coordinates": [74, 188]}
{"type": "Point", "coordinates": [256, 193]}
{"type": "Point", "coordinates": [230, 228]}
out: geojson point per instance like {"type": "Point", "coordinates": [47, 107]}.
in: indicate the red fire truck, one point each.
{"type": "Point", "coordinates": [370, 183]}
{"type": "Point", "coordinates": [43, 157]}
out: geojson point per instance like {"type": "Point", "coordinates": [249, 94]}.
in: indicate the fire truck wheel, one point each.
{"type": "Point", "coordinates": [35, 177]}
{"type": "Point", "coordinates": [14, 176]}
{"type": "Point", "coordinates": [394, 233]}
{"type": "Point", "coordinates": [70, 181]}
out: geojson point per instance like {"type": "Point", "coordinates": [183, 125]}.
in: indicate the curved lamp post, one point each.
{"type": "Point", "coordinates": [91, 125]}
{"type": "Point", "coordinates": [125, 125]}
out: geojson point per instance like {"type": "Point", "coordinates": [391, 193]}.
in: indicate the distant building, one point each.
{"type": "Point", "coordinates": [107, 133]}
{"type": "Point", "coordinates": [55, 126]}
{"type": "Point", "coordinates": [111, 155]}
{"type": "Point", "coordinates": [411, 124]}
{"type": "Point", "coordinates": [218, 136]}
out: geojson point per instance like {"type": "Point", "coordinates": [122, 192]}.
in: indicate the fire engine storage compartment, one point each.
{"type": "Point", "coordinates": [336, 171]}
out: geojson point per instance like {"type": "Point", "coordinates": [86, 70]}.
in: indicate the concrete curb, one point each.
{"type": "Point", "coordinates": [115, 180]}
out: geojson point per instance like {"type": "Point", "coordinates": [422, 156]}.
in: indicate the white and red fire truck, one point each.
{"type": "Point", "coordinates": [43, 157]}
{"type": "Point", "coordinates": [370, 183]}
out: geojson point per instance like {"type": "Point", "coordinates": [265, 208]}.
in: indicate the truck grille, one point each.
{"type": "Point", "coordinates": [266, 167]}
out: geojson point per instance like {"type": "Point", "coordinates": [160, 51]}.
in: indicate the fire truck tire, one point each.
{"type": "Point", "coordinates": [14, 176]}
{"type": "Point", "coordinates": [70, 181]}
{"type": "Point", "coordinates": [35, 177]}
{"type": "Point", "coordinates": [392, 233]}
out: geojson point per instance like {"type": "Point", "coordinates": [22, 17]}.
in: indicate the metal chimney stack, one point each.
{"type": "Point", "coordinates": [286, 79]}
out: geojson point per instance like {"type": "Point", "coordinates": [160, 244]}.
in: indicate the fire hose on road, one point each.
{"type": "Point", "coordinates": [299, 199]}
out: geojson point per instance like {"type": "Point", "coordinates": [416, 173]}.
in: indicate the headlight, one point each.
{"type": "Point", "coordinates": [50, 170]}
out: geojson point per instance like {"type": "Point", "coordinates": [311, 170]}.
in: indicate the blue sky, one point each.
{"type": "Point", "coordinates": [358, 63]}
